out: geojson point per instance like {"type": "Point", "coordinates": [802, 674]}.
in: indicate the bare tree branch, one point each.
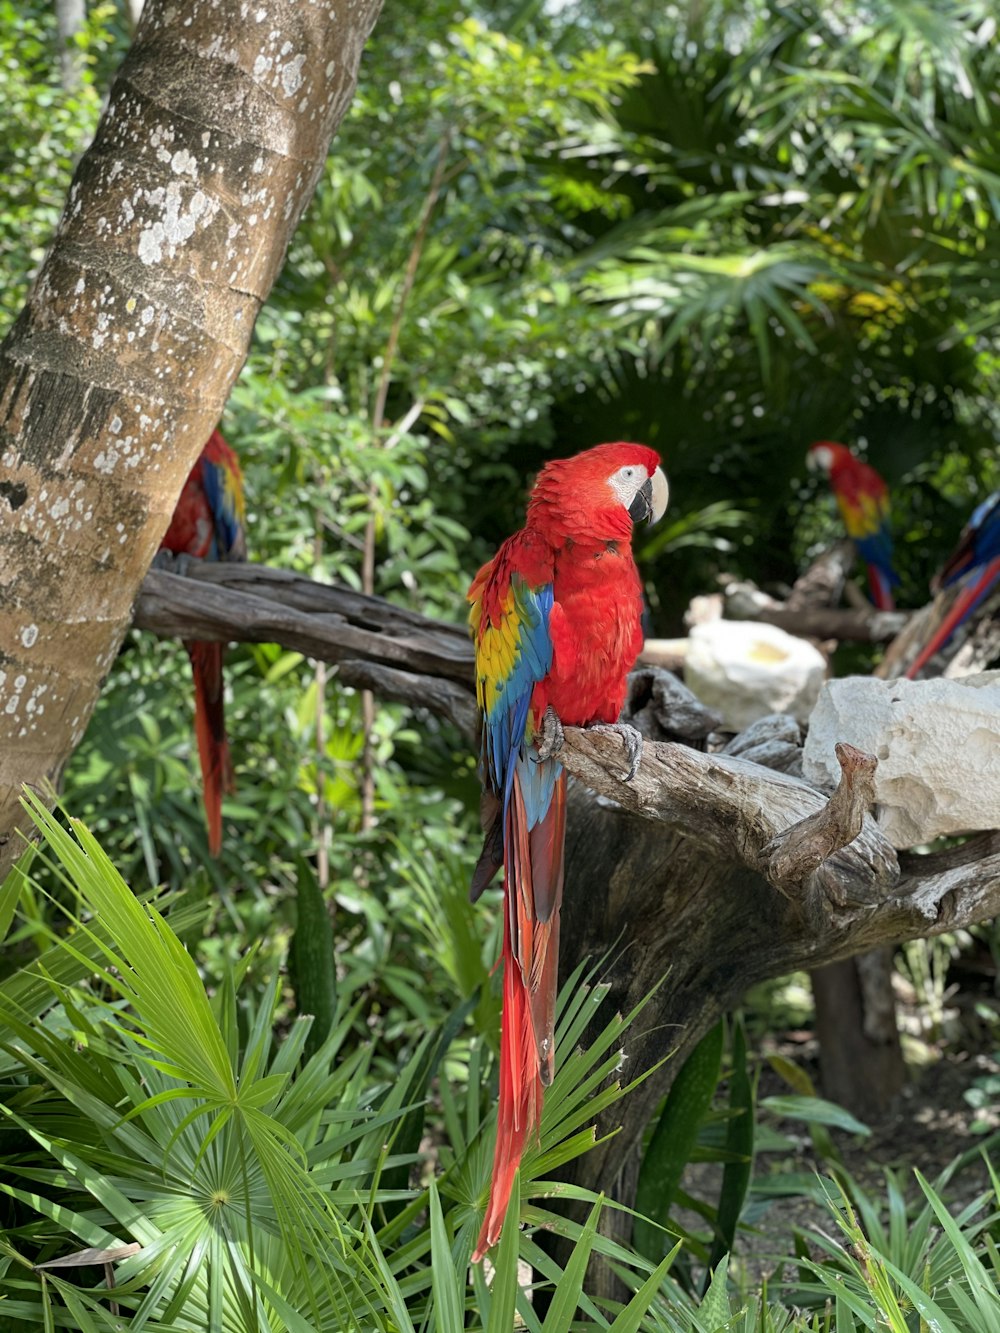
{"type": "Point", "coordinates": [776, 824]}
{"type": "Point", "coordinates": [803, 848]}
{"type": "Point", "coordinates": [862, 625]}
{"type": "Point", "coordinates": [444, 697]}
{"type": "Point", "coordinates": [257, 605]}
{"type": "Point", "coordinates": [825, 857]}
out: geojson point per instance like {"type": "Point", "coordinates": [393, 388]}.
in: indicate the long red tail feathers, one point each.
{"type": "Point", "coordinates": [533, 895]}
{"type": "Point", "coordinates": [965, 604]}
{"type": "Point", "coordinates": [210, 732]}
{"type": "Point", "coordinates": [520, 1105]}
{"type": "Point", "coordinates": [881, 589]}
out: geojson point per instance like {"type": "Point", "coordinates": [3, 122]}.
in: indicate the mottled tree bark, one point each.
{"type": "Point", "coordinates": [175, 228]}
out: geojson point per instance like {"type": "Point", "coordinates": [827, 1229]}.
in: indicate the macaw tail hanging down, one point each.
{"type": "Point", "coordinates": [208, 523]}
{"type": "Point", "coordinates": [556, 622]}
{"type": "Point", "coordinates": [863, 499]}
{"type": "Point", "coordinates": [975, 565]}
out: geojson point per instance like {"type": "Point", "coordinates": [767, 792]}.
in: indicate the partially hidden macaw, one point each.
{"type": "Point", "coordinates": [208, 523]}
{"type": "Point", "coordinates": [556, 622]}
{"type": "Point", "coordinates": [863, 499]}
{"type": "Point", "coordinates": [975, 565]}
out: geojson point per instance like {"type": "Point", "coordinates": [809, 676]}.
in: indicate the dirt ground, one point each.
{"type": "Point", "coordinates": [930, 1124]}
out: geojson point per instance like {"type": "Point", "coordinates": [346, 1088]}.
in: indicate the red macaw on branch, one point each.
{"type": "Point", "coordinates": [208, 523]}
{"type": "Point", "coordinates": [863, 499]}
{"type": "Point", "coordinates": [975, 564]}
{"type": "Point", "coordinates": [556, 622]}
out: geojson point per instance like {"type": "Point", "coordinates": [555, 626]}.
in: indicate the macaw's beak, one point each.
{"type": "Point", "coordinates": [651, 499]}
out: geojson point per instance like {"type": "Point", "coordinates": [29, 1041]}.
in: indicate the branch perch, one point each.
{"type": "Point", "coordinates": [803, 848]}
{"type": "Point", "coordinates": [826, 858]}
{"type": "Point", "coordinates": [773, 823]}
{"type": "Point", "coordinates": [255, 604]}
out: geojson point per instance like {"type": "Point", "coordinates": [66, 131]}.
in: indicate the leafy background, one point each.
{"type": "Point", "coordinates": [727, 229]}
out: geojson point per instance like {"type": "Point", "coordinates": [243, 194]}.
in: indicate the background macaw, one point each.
{"type": "Point", "coordinates": [208, 523]}
{"type": "Point", "coordinates": [556, 622]}
{"type": "Point", "coordinates": [863, 499]}
{"type": "Point", "coordinates": [975, 565]}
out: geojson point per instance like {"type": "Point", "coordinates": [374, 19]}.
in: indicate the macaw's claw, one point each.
{"type": "Point", "coordinates": [551, 738]}
{"type": "Point", "coordinates": [170, 562]}
{"type": "Point", "coordinates": [164, 560]}
{"type": "Point", "coordinates": [631, 739]}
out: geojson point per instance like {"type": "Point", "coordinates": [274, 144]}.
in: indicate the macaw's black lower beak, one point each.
{"type": "Point", "coordinates": [641, 507]}
{"type": "Point", "coordinates": [651, 499]}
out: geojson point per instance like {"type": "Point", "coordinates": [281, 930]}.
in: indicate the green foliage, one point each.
{"type": "Point", "coordinates": [673, 1140]}
{"type": "Point", "coordinates": [234, 1179]}
{"type": "Point", "coordinates": [924, 1268]}
{"type": "Point", "coordinates": [727, 229]}
{"type": "Point", "coordinates": [45, 131]}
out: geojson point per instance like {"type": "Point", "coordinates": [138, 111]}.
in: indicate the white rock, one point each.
{"type": "Point", "coordinates": [937, 743]}
{"type": "Point", "coordinates": [746, 670]}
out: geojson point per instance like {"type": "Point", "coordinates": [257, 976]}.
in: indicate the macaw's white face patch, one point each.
{"type": "Point", "coordinates": [819, 458]}
{"type": "Point", "coordinates": [644, 496]}
{"type": "Point", "coordinates": [627, 482]}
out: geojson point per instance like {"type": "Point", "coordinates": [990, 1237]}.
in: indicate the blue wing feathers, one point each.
{"type": "Point", "coordinates": [877, 550]}
{"type": "Point", "coordinates": [228, 532]}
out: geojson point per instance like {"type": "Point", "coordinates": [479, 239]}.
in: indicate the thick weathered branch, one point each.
{"type": "Point", "coordinates": [256, 605]}
{"type": "Point", "coordinates": [444, 697]}
{"type": "Point", "coordinates": [771, 822]}
{"type": "Point", "coordinates": [801, 849]}
{"type": "Point", "coordinates": [737, 806]}
{"type": "Point", "coordinates": [854, 624]}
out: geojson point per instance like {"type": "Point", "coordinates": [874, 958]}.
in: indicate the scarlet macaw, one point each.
{"type": "Point", "coordinates": [863, 499]}
{"type": "Point", "coordinates": [556, 622]}
{"type": "Point", "coordinates": [208, 523]}
{"type": "Point", "coordinates": [975, 563]}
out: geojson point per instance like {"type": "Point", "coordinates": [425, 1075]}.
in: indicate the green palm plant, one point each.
{"type": "Point", "coordinates": [796, 242]}
{"type": "Point", "coordinates": [232, 1180]}
{"type": "Point", "coordinates": [906, 1267]}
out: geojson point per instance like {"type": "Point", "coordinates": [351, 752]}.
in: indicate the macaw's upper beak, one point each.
{"type": "Point", "coordinates": [651, 499]}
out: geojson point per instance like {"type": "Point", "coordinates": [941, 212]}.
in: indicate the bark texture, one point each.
{"type": "Point", "coordinates": [175, 228]}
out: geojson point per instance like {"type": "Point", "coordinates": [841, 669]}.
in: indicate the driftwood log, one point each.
{"type": "Point", "coordinates": [712, 870]}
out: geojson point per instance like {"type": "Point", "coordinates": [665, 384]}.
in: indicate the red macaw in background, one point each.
{"type": "Point", "coordinates": [556, 622]}
{"type": "Point", "coordinates": [975, 564]}
{"type": "Point", "coordinates": [863, 499]}
{"type": "Point", "coordinates": [208, 523]}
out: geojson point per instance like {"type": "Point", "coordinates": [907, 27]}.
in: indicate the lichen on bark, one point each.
{"type": "Point", "coordinates": [174, 229]}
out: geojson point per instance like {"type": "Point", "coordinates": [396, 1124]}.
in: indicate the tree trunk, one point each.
{"type": "Point", "coordinates": [860, 1056]}
{"type": "Point", "coordinates": [116, 371]}
{"type": "Point", "coordinates": [71, 15]}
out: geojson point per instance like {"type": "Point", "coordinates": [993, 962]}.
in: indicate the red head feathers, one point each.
{"type": "Point", "coordinates": [600, 493]}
